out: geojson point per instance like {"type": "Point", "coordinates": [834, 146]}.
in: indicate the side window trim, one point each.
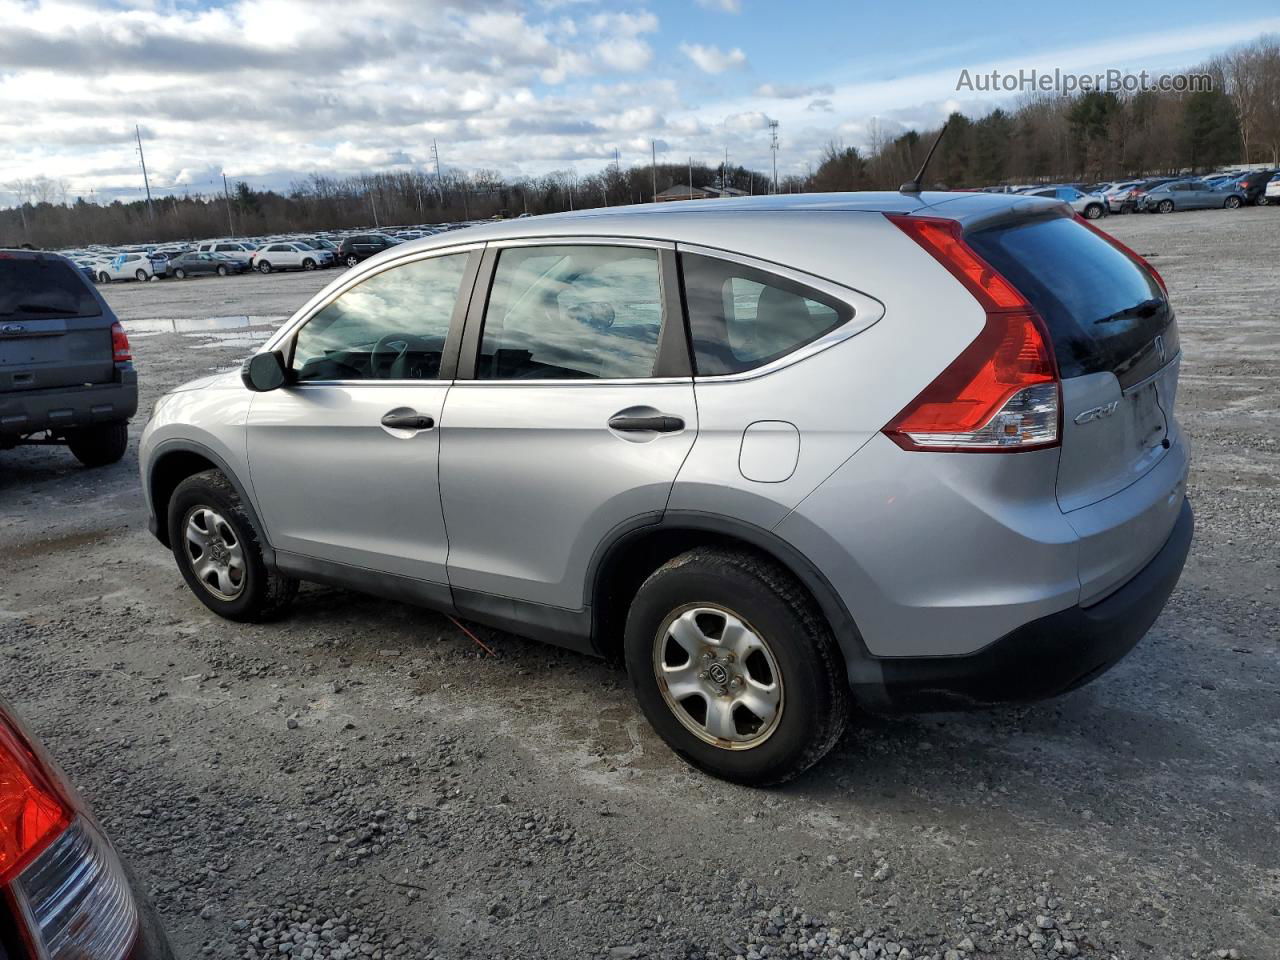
{"type": "Point", "coordinates": [287, 337]}
{"type": "Point", "coordinates": [673, 360]}
{"type": "Point", "coordinates": [867, 310]}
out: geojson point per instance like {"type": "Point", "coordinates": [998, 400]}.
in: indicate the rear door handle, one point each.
{"type": "Point", "coordinates": [407, 421]}
{"type": "Point", "coordinates": [662, 423]}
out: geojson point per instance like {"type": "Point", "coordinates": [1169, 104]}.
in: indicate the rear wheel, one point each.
{"type": "Point", "coordinates": [140, 276]}
{"type": "Point", "coordinates": [1262, 201]}
{"type": "Point", "coordinates": [104, 278]}
{"type": "Point", "coordinates": [1166, 206]}
{"type": "Point", "coordinates": [735, 667]}
{"type": "Point", "coordinates": [1232, 203]}
{"type": "Point", "coordinates": [222, 271]}
{"type": "Point", "coordinates": [219, 554]}
{"type": "Point", "coordinates": [99, 445]}
{"type": "Point", "coordinates": [1093, 211]}
{"type": "Point", "coordinates": [264, 267]}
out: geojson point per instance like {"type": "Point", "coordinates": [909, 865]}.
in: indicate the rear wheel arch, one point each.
{"type": "Point", "coordinates": [173, 464]}
{"type": "Point", "coordinates": [636, 550]}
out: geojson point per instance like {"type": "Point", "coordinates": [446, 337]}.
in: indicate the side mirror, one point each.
{"type": "Point", "coordinates": [264, 371]}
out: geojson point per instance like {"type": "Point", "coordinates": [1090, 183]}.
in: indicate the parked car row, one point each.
{"type": "Point", "coordinates": [1160, 194]}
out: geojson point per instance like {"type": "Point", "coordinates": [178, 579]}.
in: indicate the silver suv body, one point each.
{"type": "Point", "coordinates": [780, 454]}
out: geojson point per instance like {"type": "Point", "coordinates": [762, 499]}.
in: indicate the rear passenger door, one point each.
{"type": "Point", "coordinates": [571, 416]}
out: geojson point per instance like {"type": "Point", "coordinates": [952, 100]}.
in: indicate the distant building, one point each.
{"type": "Point", "coordinates": [684, 192]}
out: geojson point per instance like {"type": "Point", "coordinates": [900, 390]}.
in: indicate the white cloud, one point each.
{"type": "Point", "coordinates": [710, 59]}
{"type": "Point", "coordinates": [727, 6]}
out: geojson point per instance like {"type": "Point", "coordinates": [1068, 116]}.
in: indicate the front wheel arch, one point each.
{"type": "Point", "coordinates": [176, 461]}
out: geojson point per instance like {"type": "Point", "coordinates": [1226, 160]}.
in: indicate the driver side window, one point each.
{"type": "Point", "coordinates": [390, 327]}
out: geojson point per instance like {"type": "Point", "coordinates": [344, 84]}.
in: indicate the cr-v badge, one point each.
{"type": "Point", "coordinates": [1097, 413]}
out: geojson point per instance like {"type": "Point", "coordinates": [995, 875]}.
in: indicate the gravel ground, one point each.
{"type": "Point", "coordinates": [362, 780]}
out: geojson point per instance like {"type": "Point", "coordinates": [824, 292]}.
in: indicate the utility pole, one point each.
{"type": "Point", "coordinates": [226, 193]}
{"type": "Point", "coordinates": [145, 182]}
{"type": "Point", "coordinates": [435, 155]}
{"type": "Point", "coordinates": [773, 147]}
{"type": "Point", "coordinates": [653, 168]}
{"type": "Point", "coordinates": [691, 178]}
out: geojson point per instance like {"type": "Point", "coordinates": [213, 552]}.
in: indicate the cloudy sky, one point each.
{"type": "Point", "coordinates": [272, 90]}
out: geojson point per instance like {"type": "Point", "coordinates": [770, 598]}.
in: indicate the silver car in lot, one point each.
{"type": "Point", "coordinates": [1190, 195]}
{"type": "Point", "coordinates": [779, 455]}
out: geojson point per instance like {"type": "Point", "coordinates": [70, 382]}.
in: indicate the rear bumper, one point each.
{"type": "Point", "coordinates": [1044, 658]}
{"type": "Point", "coordinates": [62, 408]}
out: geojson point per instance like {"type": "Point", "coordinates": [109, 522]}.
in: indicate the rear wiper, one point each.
{"type": "Point", "coordinates": [32, 308]}
{"type": "Point", "coordinates": [1141, 310]}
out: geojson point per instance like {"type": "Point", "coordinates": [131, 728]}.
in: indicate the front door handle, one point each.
{"type": "Point", "coordinates": [660, 423]}
{"type": "Point", "coordinates": [399, 420]}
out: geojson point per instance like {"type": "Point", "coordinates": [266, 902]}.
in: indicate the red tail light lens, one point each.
{"type": "Point", "coordinates": [1001, 393]}
{"type": "Point", "coordinates": [120, 350]}
{"type": "Point", "coordinates": [32, 812]}
{"type": "Point", "coordinates": [1135, 257]}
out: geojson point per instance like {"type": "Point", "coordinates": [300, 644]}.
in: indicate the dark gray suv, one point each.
{"type": "Point", "coordinates": [66, 370]}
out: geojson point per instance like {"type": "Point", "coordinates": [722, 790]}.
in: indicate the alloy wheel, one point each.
{"type": "Point", "coordinates": [718, 676]}
{"type": "Point", "coordinates": [215, 553]}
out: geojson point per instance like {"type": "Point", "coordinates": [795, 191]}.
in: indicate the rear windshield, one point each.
{"type": "Point", "coordinates": [1104, 312]}
{"type": "Point", "coordinates": [31, 288]}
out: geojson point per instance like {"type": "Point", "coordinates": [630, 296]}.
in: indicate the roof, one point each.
{"type": "Point", "coordinates": [672, 220]}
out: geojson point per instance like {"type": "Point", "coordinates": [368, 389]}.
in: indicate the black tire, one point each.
{"type": "Point", "coordinates": [352, 259]}
{"type": "Point", "coordinates": [815, 697]}
{"type": "Point", "coordinates": [222, 271]}
{"type": "Point", "coordinates": [99, 445]}
{"type": "Point", "coordinates": [1165, 206]}
{"type": "Point", "coordinates": [140, 276]}
{"type": "Point", "coordinates": [104, 277]}
{"type": "Point", "coordinates": [1232, 203]}
{"type": "Point", "coordinates": [308, 264]}
{"type": "Point", "coordinates": [264, 267]}
{"type": "Point", "coordinates": [263, 594]}
{"type": "Point", "coordinates": [180, 274]}
{"type": "Point", "coordinates": [1262, 200]}
{"type": "Point", "coordinates": [1093, 211]}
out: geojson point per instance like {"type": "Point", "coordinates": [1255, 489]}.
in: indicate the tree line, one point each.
{"type": "Point", "coordinates": [1042, 138]}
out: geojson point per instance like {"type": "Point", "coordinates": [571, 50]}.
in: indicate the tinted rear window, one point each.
{"type": "Point", "coordinates": [31, 289]}
{"type": "Point", "coordinates": [1103, 311]}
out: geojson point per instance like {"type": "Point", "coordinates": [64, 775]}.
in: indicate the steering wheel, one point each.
{"type": "Point", "coordinates": [393, 350]}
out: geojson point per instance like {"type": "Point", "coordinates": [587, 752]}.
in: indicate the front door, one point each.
{"type": "Point", "coordinates": [578, 418]}
{"type": "Point", "coordinates": [344, 459]}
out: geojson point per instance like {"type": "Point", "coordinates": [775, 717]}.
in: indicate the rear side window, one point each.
{"type": "Point", "coordinates": [1104, 312]}
{"type": "Point", "coordinates": [572, 312]}
{"type": "Point", "coordinates": [31, 289]}
{"type": "Point", "coordinates": [741, 318]}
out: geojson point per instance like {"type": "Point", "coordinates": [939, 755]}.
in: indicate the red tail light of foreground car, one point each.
{"type": "Point", "coordinates": [65, 889]}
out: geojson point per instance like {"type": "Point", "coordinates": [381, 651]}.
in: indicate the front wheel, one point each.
{"type": "Point", "coordinates": [264, 267]}
{"type": "Point", "coordinates": [100, 445]}
{"type": "Point", "coordinates": [104, 278]}
{"type": "Point", "coordinates": [1166, 206]}
{"type": "Point", "coordinates": [140, 276]}
{"type": "Point", "coordinates": [218, 551]}
{"type": "Point", "coordinates": [222, 271]}
{"type": "Point", "coordinates": [1262, 201]}
{"type": "Point", "coordinates": [308, 264]}
{"type": "Point", "coordinates": [734, 666]}
{"type": "Point", "coordinates": [352, 260]}
{"type": "Point", "coordinates": [1093, 211]}
{"type": "Point", "coordinates": [180, 274]}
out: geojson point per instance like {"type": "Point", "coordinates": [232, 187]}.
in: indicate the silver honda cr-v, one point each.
{"type": "Point", "coordinates": [780, 455]}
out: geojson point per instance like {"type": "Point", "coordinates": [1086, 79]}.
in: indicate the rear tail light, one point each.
{"type": "Point", "coordinates": [1001, 394]}
{"type": "Point", "coordinates": [120, 350]}
{"type": "Point", "coordinates": [69, 891]}
{"type": "Point", "coordinates": [1135, 257]}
